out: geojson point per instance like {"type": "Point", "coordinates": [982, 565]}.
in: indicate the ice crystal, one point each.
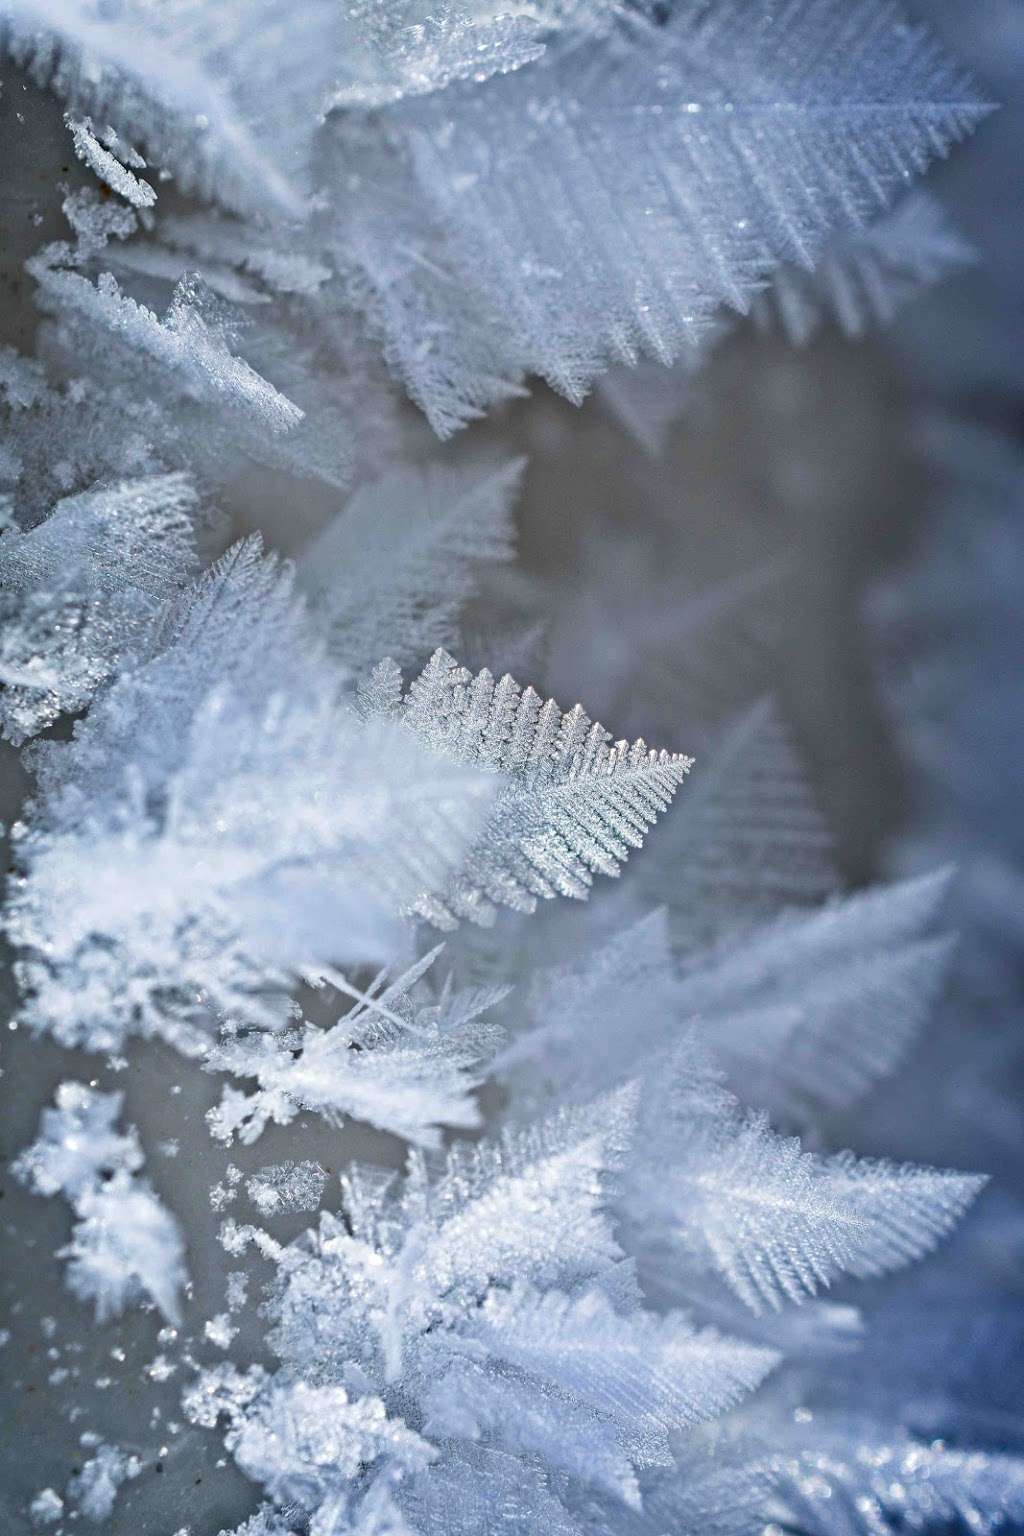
{"type": "Point", "coordinates": [107, 163]}
{"type": "Point", "coordinates": [287, 1187]}
{"type": "Point", "coordinates": [716, 1191]}
{"type": "Point", "coordinates": [248, 801]}
{"type": "Point", "coordinates": [78, 1143]}
{"type": "Point", "coordinates": [879, 1487]}
{"type": "Point", "coordinates": [748, 839]}
{"type": "Point", "coordinates": [124, 1244]}
{"type": "Point", "coordinates": [598, 1313]}
{"type": "Point", "coordinates": [864, 279]}
{"type": "Point", "coordinates": [84, 591]}
{"type": "Point", "coordinates": [401, 1059]}
{"type": "Point", "coordinates": [94, 1489]}
{"type": "Point", "coordinates": [574, 802]}
{"type": "Point", "coordinates": [184, 344]}
{"type": "Point", "coordinates": [46, 1508]}
{"type": "Point", "coordinates": [705, 150]}
{"type": "Point", "coordinates": [489, 1303]}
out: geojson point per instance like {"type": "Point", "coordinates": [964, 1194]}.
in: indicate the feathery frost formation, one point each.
{"type": "Point", "coordinates": [572, 803]}
{"type": "Point", "coordinates": [701, 152]}
{"type": "Point", "coordinates": [591, 1303]}
{"type": "Point", "coordinates": [223, 824]}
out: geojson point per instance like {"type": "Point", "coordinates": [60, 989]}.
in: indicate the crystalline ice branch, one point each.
{"type": "Point", "coordinates": [878, 1487]}
{"type": "Point", "coordinates": [107, 163]}
{"type": "Point", "coordinates": [574, 805]}
{"type": "Point", "coordinates": [700, 154]}
{"type": "Point", "coordinates": [184, 345]}
{"type": "Point", "coordinates": [716, 1191]}
{"type": "Point", "coordinates": [747, 842]}
{"type": "Point", "coordinates": [804, 1014]}
{"type": "Point", "coordinates": [862, 280]}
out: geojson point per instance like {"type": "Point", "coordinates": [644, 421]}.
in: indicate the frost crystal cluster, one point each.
{"type": "Point", "coordinates": [502, 1160]}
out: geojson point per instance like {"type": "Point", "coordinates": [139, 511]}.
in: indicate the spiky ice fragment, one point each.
{"type": "Point", "coordinates": [108, 166]}
{"type": "Point", "coordinates": [571, 804]}
{"type": "Point", "coordinates": [865, 278]}
{"type": "Point", "coordinates": [700, 154]}
{"type": "Point", "coordinates": [187, 345]}
{"type": "Point", "coordinates": [390, 573]}
{"type": "Point", "coordinates": [46, 1508]}
{"type": "Point", "coordinates": [84, 591]}
{"type": "Point", "coordinates": [221, 825]}
{"type": "Point", "coordinates": [125, 1245]}
{"type": "Point", "coordinates": [93, 1491]}
{"type": "Point", "coordinates": [401, 1059]}
{"type": "Point", "coordinates": [226, 97]}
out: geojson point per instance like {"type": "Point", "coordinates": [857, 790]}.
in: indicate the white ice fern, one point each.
{"type": "Point", "coordinates": [488, 1307]}
{"type": "Point", "coordinates": [571, 802]}
{"type": "Point", "coordinates": [602, 203]}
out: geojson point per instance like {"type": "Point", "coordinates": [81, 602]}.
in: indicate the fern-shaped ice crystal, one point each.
{"type": "Point", "coordinates": [572, 802]}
